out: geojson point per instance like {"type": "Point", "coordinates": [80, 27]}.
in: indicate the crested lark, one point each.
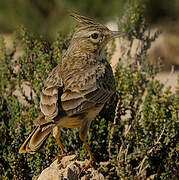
{"type": "Point", "coordinates": [76, 89]}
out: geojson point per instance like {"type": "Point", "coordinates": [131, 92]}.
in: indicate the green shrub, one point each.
{"type": "Point", "coordinates": [136, 131]}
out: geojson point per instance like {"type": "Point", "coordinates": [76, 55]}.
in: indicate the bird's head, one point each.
{"type": "Point", "coordinates": [91, 35]}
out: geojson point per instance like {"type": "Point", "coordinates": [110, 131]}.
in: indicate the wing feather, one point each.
{"type": "Point", "coordinates": [50, 94]}
{"type": "Point", "coordinates": [78, 93]}
{"type": "Point", "coordinates": [97, 91]}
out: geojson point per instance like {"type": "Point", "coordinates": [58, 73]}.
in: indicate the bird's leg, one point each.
{"type": "Point", "coordinates": [56, 134]}
{"type": "Point", "coordinates": [83, 135]}
{"type": "Point", "coordinates": [89, 152]}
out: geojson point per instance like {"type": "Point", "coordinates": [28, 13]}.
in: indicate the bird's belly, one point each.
{"type": "Point", "coordinates": [71, 122]}
{"type": "Point", "coordinates": [77, 120]}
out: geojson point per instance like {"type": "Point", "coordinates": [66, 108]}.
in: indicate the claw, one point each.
{"type": "Point", "coordinates": [60, 157]}
{"type": "Point", "coordinates": [91, 163]}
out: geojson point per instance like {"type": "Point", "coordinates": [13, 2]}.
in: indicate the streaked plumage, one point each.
{"type": "Point", "coordinates": [76, 89]}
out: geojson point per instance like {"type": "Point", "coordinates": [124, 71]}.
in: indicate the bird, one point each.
{"type": "Point", "coordinates": [77, 89]}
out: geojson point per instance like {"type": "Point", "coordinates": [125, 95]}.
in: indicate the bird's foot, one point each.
{"type": "Point", "coordinates": [91, 163]}
{"type": "Point", "coordinates": [60, 157]}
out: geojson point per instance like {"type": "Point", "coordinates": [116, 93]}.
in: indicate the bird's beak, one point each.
{"type": "Point", "coordinates": [116, 34]}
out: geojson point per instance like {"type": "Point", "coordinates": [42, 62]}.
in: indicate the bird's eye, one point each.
{"type": "Point", "coordinates": [94, 36]}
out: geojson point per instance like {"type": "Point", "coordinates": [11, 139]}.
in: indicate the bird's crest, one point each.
{"type": "Point", "coordinates": [86, 23]}
{"type": "Point", "coordinates": [82, 19]}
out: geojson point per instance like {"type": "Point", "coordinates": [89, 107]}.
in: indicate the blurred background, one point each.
{"type": "Point", "coordinates": [47, 17]}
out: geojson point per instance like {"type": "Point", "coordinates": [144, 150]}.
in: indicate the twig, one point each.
{"type": "Point", "coordinates": [112, 129]}
{"type": "Point", "coordinates": [140, 167]}
{"type": "Point", "coordinates": [126, 152]}
{"type": "Point", "coordinates": [170, 74]}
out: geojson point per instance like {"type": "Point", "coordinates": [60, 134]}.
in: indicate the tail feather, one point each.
{"type": "Point", "coordinates": [37, 138]}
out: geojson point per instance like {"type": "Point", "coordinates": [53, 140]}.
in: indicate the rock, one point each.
{"type": "Point", "coordinates": [69, 168]}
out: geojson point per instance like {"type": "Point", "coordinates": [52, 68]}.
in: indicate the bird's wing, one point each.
{"type": "Point", "coordinates": [78, 93]}
{"type": "Point", "coordinates": [50, 94]}
{"type": "Point", "coordinates": [93, 88]}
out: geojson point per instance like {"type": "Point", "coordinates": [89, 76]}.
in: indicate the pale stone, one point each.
{"type": "Point", "coordinates": [69, 168]}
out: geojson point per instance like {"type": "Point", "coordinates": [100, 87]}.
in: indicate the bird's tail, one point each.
{"type": "Point", "coordinates": [37, 138]}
